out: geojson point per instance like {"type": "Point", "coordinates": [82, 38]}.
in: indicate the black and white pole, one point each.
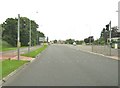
{"type": "Point", "coordinates": [18, 40]}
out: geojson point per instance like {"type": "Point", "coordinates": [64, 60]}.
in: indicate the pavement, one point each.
{"type": "Point", "coordinates": [99, 50]}
{"type": "Point", "coordinates": [12, 54]}
{"type": "Point", "coordinates": [60, 65]}
{"type": "Point", "coordinates": [23, 58]}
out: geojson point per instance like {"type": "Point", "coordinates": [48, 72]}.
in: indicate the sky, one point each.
{"type": "Point", "coordinates": [64, 19]}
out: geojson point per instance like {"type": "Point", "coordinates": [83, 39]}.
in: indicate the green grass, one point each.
{"type": "Point", "coordinates": [35, 52]}
{"type": "Point", "coordinates": [9, 66]}
{"type": "Point", "coordinates": [4, 46]}
{"type": "Point", "coordinates": [7, 49]}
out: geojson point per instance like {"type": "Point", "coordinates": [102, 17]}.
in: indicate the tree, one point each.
{"type": "Point", "coordinates": [114, 32]}
{"type": "Point", "coordinates": [55, 41]}
{"type": "Point", "coordinates": [24, 31]}
{"type": "Point", "coordinates": [79, 42]}
{"type": "Point", "coordinates": [70, 41]}
{"type": "Point", "coordinates": [89, 40]}
{"type": "Point", "coordinates": [10, 31]}
{"type": "Point", "coordinates": [86, 40]}
{"type": "Point", "coordinates": [1, 30]}
{"type": "Point", "coordinates": [104, 34]}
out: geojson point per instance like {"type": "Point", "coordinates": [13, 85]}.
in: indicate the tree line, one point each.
{"type": "Point", "coordinates": [104, 36]}
{"type": "Point", "coordinates": [9, 31]}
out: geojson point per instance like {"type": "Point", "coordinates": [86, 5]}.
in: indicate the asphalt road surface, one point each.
{"type": "Point", "coordinates": [60, 65]}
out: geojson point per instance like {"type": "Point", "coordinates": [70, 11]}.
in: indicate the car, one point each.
{"type": "Point", "coordinates": [74, 44]}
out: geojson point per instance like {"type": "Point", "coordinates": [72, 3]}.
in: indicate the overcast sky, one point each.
{"type": "Point", "coordinates": [63, 19]}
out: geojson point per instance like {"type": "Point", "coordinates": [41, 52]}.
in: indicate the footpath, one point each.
{"type": "Point", "coordinates": [99, 50]}
{"type": "Point", "coordinates": [12, 54]}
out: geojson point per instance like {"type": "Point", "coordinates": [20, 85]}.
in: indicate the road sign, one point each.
{"type": "Point", "coordinates": [41, 39]}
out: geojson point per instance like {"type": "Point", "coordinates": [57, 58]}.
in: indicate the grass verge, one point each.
{"type": "Point", "coordinates": [4, 46]}
{"type": "Point", "coordinates": [10, 48]}
{"type": "Point", "coordinates": [9, 66]}
{"type": "Point", "coordinates": [35, 52]}
{"type": "Point", "coordinates": [7, 49]}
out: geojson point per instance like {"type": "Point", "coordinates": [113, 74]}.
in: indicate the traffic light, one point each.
{"type": "Point", "coordinates": [24, 23]}
{"type": "Point", "coordinates": [107, 27]}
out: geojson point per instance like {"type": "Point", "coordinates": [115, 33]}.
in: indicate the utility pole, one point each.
{"type": "Point", "coordinates": [18, 40]}
{"type": "Point", "coordinates": [110, 37]}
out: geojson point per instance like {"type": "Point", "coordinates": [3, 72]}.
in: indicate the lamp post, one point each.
{"type": "Point", "coordinates": [118, 22]}
{"type": "Point", "coordinates": [18, 39]}
{"type": "Point", "coordinates": [29, 36]}
{"type": "Point", "coordinates": [37, 33]}
{"type": "Point", "coordinates": [118, 16]}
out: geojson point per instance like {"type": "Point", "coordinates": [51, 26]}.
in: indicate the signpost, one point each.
{"type": "Point", "coordinates": [41, 39]}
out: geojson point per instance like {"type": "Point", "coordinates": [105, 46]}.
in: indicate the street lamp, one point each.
{"type": "Point", "coordinates": [30, 36]}
{"type": "Point", "coordinates": [18, 39]}
{"type": "Point", "coordinates": [119, 16]}
{"type": "Point", "coordinates": [118, 20]}
{"type": "Point", "coordinates": [29, 43]}
{"type": "Point", "coordinates": [37, 33]}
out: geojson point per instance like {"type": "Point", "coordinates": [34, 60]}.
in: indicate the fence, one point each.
{"type": "Point", "coordinates": [105, 49]}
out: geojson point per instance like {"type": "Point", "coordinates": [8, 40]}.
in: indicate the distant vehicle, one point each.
{"type": "Point", "coordinates": [74, 44]}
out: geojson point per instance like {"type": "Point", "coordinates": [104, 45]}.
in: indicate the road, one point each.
{"type": "Point", "coordinates": [60, 65]}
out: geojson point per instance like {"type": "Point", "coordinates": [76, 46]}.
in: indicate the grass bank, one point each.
{"type": "Point", "coordinates": [35, 52]}
{"type": "Point", "coordinates": [9, 66]}
{"type": "Point", "coordinates": [4, 46]}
